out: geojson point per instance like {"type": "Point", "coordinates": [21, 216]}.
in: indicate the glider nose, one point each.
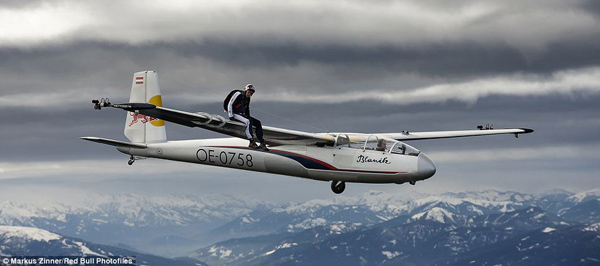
{"type": "Point", "coordinates": [425, 167]}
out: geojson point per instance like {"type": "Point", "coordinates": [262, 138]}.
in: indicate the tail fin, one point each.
{"type": "Point", "coordinates": [140, 128]}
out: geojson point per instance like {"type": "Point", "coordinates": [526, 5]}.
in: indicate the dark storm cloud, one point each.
{"type": "Point", "coordinates": [449, 59]}
{"type": "Point", "coordinates": [80, 65]}
{"type": "Point", "coordinates": [591, 6]}
{"type": "Point", "coordinates": [91, 67]}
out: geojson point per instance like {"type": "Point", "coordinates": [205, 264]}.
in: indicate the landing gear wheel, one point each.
{"type": "Point", "coordinates": [412, 182]}
{"type": "Point", "coordinates": [131, 160]}
{"type": "Point", "coordinates": [338, 186]}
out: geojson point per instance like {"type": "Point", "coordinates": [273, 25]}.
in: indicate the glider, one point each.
{"type": "Point", "coordinates": [335, 157]}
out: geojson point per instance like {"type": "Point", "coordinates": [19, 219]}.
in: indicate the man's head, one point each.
{"type": "Point", "coordinates": [381, 143]}
{"type": "Point", "coordinates": [249, 90]}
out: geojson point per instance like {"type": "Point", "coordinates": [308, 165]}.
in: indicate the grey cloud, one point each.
{"type": "Point", "coordinates": [211, 66]}
{"type": "Point", "coordinates": [528, 26]}
{"type": "Point", "coordinates": [18, 4]}
{"type": "Point", "coordinates": [447, 59]}
{"type": "Point", "coordinates": [591, 6]}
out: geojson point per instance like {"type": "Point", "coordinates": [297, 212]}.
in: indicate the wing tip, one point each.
{"type": "Point", "coordinates": [526, 130]}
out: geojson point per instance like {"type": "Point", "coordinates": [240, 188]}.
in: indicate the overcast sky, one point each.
{"type": "Point", "coordinates": [356, 66]}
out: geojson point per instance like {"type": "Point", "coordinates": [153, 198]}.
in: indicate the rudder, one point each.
{"type": "Point", "coordinates": [141, 128]}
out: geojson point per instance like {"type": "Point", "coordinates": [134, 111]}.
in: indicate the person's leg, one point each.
{"type": "Point", "coordinates": [259, 133]}
{"type": "Point", "coordinates": [258, 126]}
{"type": "Point", "coordinates": [246, 122]}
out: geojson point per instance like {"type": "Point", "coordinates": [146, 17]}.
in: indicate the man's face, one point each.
{"type": "Point", "coordinates": [382, 143]}
{"type": "Point", "coordinates": [249, 93]}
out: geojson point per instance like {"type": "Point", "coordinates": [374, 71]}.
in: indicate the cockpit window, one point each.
{"type": "Point", "coordinates": [374, 143]}
{"type": "Point", "coordinates": [342, 140]}
{"type": "Point", "coordinates": [403, 148]}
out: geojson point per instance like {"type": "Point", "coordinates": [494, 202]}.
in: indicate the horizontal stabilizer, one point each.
{"type": "Point", "coordinates": [115, 143]}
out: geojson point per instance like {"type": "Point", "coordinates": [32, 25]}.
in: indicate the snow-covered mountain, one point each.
{"type": "Point", "coordinates": [16, 241]}
{"type": "Point", "coordinates": [554, 200]}
{"type": "Point", "coordinates": [573, 245]}
{"type": "Point", "coordinates": [135, 210]}
{"type": "Point", "coordinates": [587, 212]}
{"type": "Point", "coordinates": [585, 196]}
{"type": "Point", "coordinates": [243, 250]}
{"type": "Point", "coordinates": [134, 220]}
{"type": "Point", "coordinates": [382, 229]}
{"type": "Point", "coordinates": [369, 209]}
{"type": "Point", "coordinates": [374, 228]}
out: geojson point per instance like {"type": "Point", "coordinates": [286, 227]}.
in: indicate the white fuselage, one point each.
{"type": "Point", "coordinates": [320, 163]}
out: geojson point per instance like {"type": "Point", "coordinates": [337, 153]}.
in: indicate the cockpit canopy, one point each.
{"type": "Point", "coordinates": [375, 143]}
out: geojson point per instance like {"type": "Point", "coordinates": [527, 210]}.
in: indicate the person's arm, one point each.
{"type": "Point", "coordinates": [231, 102]}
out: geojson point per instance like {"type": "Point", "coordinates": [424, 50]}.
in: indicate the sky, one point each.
{"type": "Point", "coordinates": [339, 66]}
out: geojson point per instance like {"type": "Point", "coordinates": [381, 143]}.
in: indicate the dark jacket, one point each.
{"type": "Point", "coordinates": [240, 104]}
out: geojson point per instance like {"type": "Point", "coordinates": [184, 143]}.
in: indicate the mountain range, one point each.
{"type": "Point", "coordinates": [481, 227]}
{"type": "Point", "coordinates": [383, 229]}
{"type": "Point", "coordinates": [155, 224]}
{"type": "Point", "coordinates": [16, 241]}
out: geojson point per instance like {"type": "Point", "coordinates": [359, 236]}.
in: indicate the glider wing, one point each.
{"type": "Point", "coordinates": [217, 123]}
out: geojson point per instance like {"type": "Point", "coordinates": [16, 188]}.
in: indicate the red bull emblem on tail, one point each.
{"type": "Point", "coordinates": [142, 118]}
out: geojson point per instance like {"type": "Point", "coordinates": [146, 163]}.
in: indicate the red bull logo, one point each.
{"type": "Point", "coordinates": [156, 100]}
{"type": "Point", "coordinates": [142, 118]}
